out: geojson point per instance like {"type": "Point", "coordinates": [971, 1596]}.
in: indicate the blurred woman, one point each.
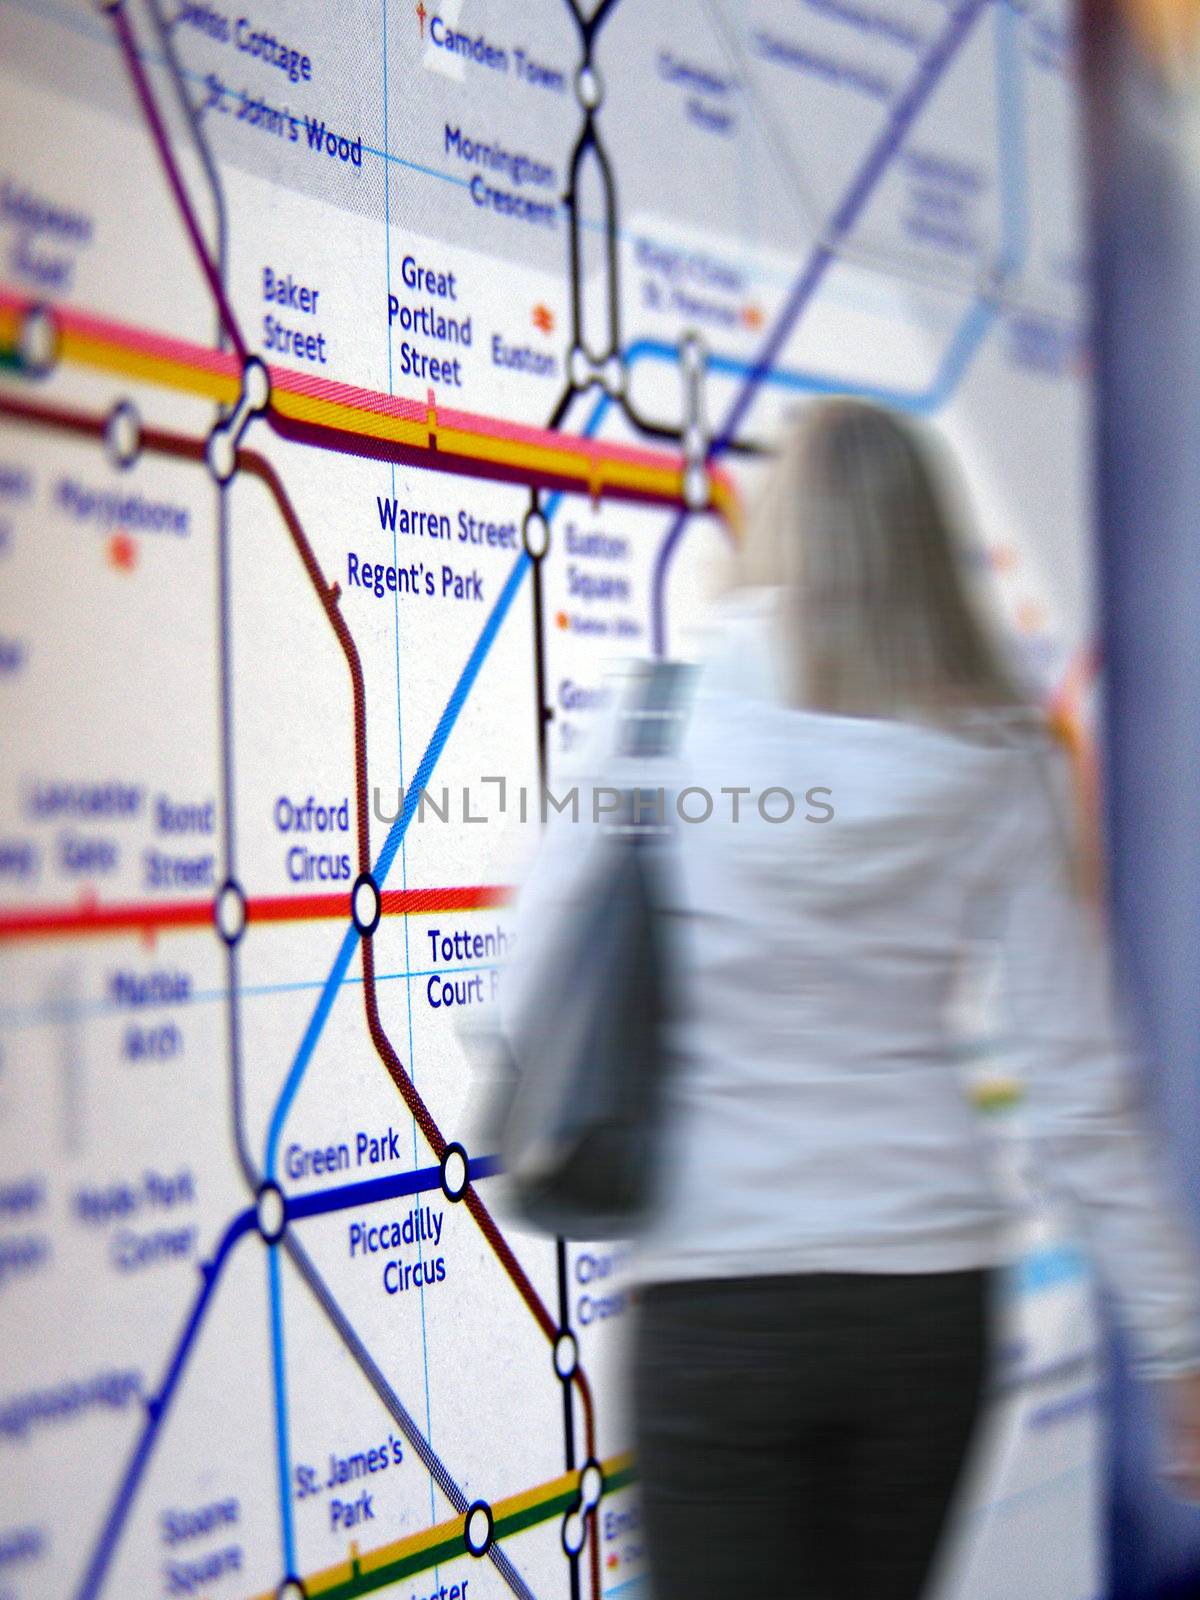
{"type": "Point", "coordinates": [812, 1343]}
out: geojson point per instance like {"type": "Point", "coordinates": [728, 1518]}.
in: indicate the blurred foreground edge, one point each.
{"type": "Point", "coordinates": [1142, 100]}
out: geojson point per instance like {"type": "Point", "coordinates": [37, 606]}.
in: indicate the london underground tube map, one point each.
{"type": "Point", "coordinates": [370, 376]}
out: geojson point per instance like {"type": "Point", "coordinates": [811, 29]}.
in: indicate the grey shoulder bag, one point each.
{"type": "Point", "coordinates": [580, 1137]}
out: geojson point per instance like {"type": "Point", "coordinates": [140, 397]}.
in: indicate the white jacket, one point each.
{"type": "Point", "coordinates": [818, 1119]}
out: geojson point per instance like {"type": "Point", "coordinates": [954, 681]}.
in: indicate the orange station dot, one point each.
{"type": "Point", "coordinates": [122, 552]}
{"type": "Point", "coordinates": [563, 620]}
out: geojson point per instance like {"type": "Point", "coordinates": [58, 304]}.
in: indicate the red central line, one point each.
{"type": "Point", "coordinates": [395, 902]}
{"type": "Point", "coordinates": [147, 917]}
{"type": "Point", "coordinates": [49, 922]}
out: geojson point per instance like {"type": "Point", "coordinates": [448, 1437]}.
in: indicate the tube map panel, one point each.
{"type": "Point", "coordinates": [370, 375]}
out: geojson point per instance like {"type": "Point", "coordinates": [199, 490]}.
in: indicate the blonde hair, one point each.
{"type": "Point", "coordinates": [857, 524]}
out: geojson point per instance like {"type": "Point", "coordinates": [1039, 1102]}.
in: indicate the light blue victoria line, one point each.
{"type": "Point", "coordinates": [399, 828]}
{"type": "Point", "coordinates": [337, 976]}
{"type": "Point", "coordinates": [387, 855]}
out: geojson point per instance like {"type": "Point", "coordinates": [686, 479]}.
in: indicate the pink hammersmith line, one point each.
{"type": "Point", "coordinates": [347, 394]}
{"type": "Point", "coordinates": [598, 449]}
{"type": "Point", "coordinates": [226, 364]}
{"type": "Point", "coordinates": [306, 383]}
{"type": "Point", "coordinates": [223, 362]}
{"type": "Point", "coordinates": [123, 333]}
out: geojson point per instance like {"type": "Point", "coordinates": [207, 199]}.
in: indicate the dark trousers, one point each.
{"type": "Point", "coordinates": [800, 1438]}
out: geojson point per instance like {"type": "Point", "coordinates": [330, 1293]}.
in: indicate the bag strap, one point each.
{"type": "Point", "coordinates": [653, 726]}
